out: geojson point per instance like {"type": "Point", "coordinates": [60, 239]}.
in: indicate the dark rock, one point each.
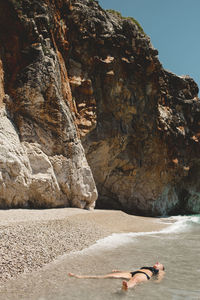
{"type": "Point", "coordinates": [139, 124]}
{"type": "Point", "coordinates": [142, 147]}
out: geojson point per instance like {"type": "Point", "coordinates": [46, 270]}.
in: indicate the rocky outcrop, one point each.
{"type": "Point", "coordinates": [30, 178]}
{"type": "Point", "coordinates": [42, 160]}
{"type": "Point", "coordinates": [139, 123]}
{"type": "Point", "coordinates": [76, 76]}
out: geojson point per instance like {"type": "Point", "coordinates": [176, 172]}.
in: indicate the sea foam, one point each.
{"type": "Point", "coordinates": [177, 224]}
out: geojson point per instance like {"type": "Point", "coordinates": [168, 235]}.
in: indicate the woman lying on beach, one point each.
{"type": "Point", "coordinates": [138, 276]}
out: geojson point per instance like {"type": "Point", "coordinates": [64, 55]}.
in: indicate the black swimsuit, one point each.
{"type": "Point", "coordinates": [152, 269]}
{"type": "Point", "coordinates": [137, 272]}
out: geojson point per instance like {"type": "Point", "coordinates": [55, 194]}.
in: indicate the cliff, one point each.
{"type": "Point", "coordinates": [85, 106]}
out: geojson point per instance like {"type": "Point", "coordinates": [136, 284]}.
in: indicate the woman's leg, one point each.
{"type": "Point", "coordinates": [123, 275]}
{"type": "Point", "coordinates": [129, 284]}
{"type": "Point", "coordinates": [138, 278]}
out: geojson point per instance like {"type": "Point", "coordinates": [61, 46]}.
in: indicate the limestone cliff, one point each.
{"type": "Point", "coordinates": [42, 161]}
{"type": "Point", "coordinates": [73, 75]}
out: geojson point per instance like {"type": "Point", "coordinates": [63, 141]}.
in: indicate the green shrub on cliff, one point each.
{"type": "Point", "coordinates": [118, 14]}
{"type": "Point", "coordinates": [114, 12]}
{"type": "Point", "coordinates": [94, 1]}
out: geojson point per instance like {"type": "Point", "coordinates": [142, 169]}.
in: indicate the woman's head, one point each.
{"type": "Point", "coordinates": [159, 266]}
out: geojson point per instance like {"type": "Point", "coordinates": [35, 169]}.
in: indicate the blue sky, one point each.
{"type": "Point", "coordinates": [174, 29]}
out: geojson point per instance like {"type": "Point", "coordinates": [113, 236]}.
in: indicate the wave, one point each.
{"type": "Point", "coordinates": [177, 224]}
{"type": "Point", "coordinates": [182, 223]}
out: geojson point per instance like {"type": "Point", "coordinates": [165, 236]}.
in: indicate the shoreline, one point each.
{"type": "Point", "coordinates": [31, 239]}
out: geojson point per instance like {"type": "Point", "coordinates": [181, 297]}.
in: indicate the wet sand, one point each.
{"type": "Point", "coordinates": [30, 239]}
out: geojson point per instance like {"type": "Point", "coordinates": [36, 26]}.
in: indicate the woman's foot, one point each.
{"type": "Point", "coordinates": [124, 285]}
{"type": "Point", "coordinates": [71, 275]}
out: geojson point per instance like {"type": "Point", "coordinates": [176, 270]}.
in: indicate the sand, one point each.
{"type": "Point", "coordinates": [30, 239]}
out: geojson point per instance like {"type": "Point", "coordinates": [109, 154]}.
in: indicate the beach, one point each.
{"type": "Point", "coordinates": [31, 239]}
{"type": "Point", "coordinates": [40, 247]}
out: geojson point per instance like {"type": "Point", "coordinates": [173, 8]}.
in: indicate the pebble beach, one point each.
{"type": "Point", "coordinates": [30, 239]}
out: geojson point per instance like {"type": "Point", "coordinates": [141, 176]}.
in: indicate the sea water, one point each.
{"type": "Point", "coordinates": [177, 247]}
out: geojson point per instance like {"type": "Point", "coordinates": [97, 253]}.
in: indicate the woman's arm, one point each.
{"type": "Point", "coordinates": [119, 271]}
{"type": "Point", "coordinates": [160, 276]}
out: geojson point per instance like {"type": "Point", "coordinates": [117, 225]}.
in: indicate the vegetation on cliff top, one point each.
{"type": "Point", "coordinates": [118, 14]}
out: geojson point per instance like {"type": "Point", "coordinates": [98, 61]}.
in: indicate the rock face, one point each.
{"type": "Point", "coordinates": [42, 160]}
{"type": "Point", "coordinates": [139, 123]}
{"type": "Point", "coordinates": [73, 76]}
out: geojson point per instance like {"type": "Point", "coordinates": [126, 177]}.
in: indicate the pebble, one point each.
{"type": "Point", "coordinates": [31, 245]}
